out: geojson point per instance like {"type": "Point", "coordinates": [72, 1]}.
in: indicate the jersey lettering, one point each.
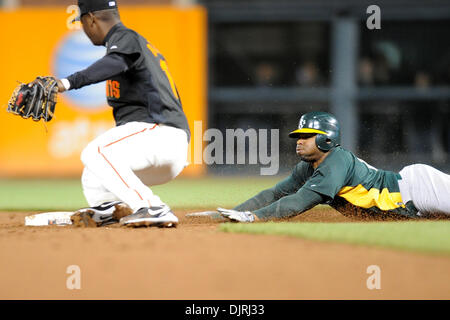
{"type": "Point", "coordinates": [113, 89]}
{"type": "Point", "coordinates": [164, 67]}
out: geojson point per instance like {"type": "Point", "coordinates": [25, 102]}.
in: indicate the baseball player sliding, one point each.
{"type": "Point", "coordinates": [151, 128]}
{"type": "Point", "coordinates": [329, 174]}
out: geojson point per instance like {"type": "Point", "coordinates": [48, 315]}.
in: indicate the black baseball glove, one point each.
{"type": "Point", "coordinates": [36, 99]}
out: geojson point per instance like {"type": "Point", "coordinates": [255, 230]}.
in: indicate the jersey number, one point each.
{"type": "Point", "coordinates": [164, 67]}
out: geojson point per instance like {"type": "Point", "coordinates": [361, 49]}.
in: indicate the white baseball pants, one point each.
{"type": "Point", "coordinates": [112, 159]}
{"type": "Point", "coordinates": [427, 187]}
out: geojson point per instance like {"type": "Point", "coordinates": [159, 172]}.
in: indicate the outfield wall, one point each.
{"type": "Point", "coordinates": [42, 42]}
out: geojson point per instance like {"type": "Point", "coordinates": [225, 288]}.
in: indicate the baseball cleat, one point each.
{"type": "Point", "coordinates": [105, 214]}
{"type": "Point", "coordinates": [160, 216]}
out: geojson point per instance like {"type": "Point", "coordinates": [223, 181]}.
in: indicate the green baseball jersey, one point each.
{"type": "Point", "coordinates": [353, 186]}
{"type": "Point", "coordinates": [342, 180]}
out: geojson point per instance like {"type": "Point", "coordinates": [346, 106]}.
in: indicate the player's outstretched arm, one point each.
{"type": "Point", "coordinates": [288, 186]}
{"type": "Point", "coordinates": [285, 207]}
{"type": "Point", "coordinates": [292, 205]}
{"type": "Point", "coordinates": [101, 70]}
{"type": "Point", "coordinates": [262, 199]}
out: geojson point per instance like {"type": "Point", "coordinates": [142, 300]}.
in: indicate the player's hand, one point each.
{"type": "Point", "coordinates": [237, 216]}
{"type": "Point", "coordinates": [61, 87]}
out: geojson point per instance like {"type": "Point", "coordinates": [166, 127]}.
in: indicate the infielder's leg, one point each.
{"type": "Point", "coordinates": [427, 187]}
{"type": "Point", "coordinates": [111, 159]}
{"type": "Point", "coordinates": [94, 192]}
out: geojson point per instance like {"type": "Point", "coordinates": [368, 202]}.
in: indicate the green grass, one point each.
{"type": "Point", "coordinates": [181, 193]}
{"type": "Point", "coordinates": [211, 192]}
{"type": "Point", "coordinates": [418, 236]}
{"type": "Point", "coordinates": [39, 195]}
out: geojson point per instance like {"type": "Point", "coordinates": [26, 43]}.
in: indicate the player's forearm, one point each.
{"type": "Point", "coordinates": [104, 69]}
{"type": "Point", "coordinates": [262, 199]}
{"type": "Point", "coordinates": [288, 186]}
{"type": "Point", "coordinates": [290, 206]}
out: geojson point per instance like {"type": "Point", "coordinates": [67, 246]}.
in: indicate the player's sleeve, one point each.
{"type": "Point", "coordinates": [285, 187]}
{"type": "Point", "coordinates": [291, 205]}
{"type": "Point", "coordinates": [127, 44]}
{"type": "Point", "coordinates": [321, 186]}
{"type": "Point", "coordinates": [105, 68]}
{"type": "Point", "coordinates": [122, 53]}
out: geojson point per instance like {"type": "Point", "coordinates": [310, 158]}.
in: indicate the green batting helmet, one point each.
{"type": "Point", "coordinates": [325, 125]}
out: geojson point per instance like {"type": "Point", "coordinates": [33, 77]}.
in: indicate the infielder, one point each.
{"type": "Point", "coordinates": [329, 174]}
{"type": "Point", "coordinates": [151, 128]}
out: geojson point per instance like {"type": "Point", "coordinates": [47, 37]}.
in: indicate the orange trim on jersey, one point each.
{"type": "Point", "coordinates": [153, 49]}
{"type": "Point", "coordinates": [113, 167]}
{"type": "Point", "coordinates": [106, 159]}
{"type": "Point", "coordinates": [138, 194]}
{"type": "Point", "coordinates": [130, 136]}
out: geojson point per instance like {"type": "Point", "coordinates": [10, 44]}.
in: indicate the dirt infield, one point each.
{"type": "Point", "coordinates": [197, 261]}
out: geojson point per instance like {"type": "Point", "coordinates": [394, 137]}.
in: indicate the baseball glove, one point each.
{"type": "Point", "coordinates": [36, 99]}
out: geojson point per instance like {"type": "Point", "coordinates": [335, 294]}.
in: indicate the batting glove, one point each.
{"type": "Point", "coordinates": [237, 216]}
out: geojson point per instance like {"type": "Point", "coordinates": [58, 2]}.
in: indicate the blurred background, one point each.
{"type": "Point", "coordinates": [268, 61]}
{"type": "Point", "coordinates": [271, 61]}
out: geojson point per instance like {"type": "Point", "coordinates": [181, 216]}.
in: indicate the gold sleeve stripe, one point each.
{"type": "Point", "coordinates": [361, 197]}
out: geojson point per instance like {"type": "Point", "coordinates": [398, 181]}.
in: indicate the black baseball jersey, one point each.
{"type": "Point", "coordinates": [139, 86]}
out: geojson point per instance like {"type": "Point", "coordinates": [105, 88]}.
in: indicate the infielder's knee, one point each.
{"type": "Point", "coordinates": [177, 168]}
